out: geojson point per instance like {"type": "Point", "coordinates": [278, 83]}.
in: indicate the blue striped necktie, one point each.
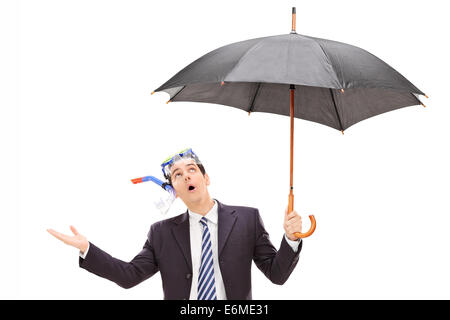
{"type": "Point", "coordinates": [206, 289]}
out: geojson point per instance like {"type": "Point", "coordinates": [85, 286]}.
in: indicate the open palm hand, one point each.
{"type": "Point", "coordinates": [77, 240]}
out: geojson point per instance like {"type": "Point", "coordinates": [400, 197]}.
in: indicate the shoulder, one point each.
{"type": "Point", "coordinates": [163, 224]}
{"type": "Point", "coordinates": [161, 229]}
{"type": "Point", "coordinates": [242, 211]}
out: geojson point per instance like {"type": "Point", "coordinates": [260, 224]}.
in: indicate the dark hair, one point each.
{"type": "Point", "coordinates": [199, 165]}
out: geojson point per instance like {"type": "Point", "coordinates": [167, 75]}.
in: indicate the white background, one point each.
{"type": "Point", "coordinates": [78, 122]}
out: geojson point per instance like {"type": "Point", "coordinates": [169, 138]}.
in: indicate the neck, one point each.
{"type": "Point", "coordinates": [202, 207]}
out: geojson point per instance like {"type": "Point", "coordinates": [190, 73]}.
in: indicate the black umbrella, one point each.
{"type": "Point", "coordinates": [333, 83]}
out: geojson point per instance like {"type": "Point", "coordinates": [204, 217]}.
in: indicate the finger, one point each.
{"type": "Point", "coordinates": [75, 232]}
{"type": "Point", "coordinates": [53, 233]}
{"type": "Point", "coordinates": [294, 230]}
{"type": "Point", "coordinates": [294, 224]}
{"type": "Point", "coordinates": [292, 215]}
{"type": "Point", "coordinates": [58, 235]}
{"type": "Point", "coordinates": [295, 220]}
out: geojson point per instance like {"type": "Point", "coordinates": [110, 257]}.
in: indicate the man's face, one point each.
{"type": "Point", "coordinates": [188, 181]}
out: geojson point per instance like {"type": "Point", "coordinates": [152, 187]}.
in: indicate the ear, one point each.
{"type": "Point", "coordinates": [207, 179]}
{"type": "Point", "coordinates": [176, 193]}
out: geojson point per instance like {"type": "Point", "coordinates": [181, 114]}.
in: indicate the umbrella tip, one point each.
{"type": "Point", "coordinates": [168, 101]}
{"type": "Point", "coordinates": [426, 96]}
{"type": "Point", "coordinates": [152, 92]}
{"type": "Point", "coordinates": [293, 20]}
{"type": "Point", "coordinates": [423, 105]}
{"type": "Point", "coordinates": [249, 112]}
{"type": "Point", "coordinates": [342, 132]}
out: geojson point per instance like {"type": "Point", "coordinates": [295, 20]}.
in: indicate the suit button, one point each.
{"type": "Point", "coordinates": [188, 276]}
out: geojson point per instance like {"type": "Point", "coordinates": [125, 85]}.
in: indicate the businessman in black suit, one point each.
{"type": "Point", "coordinates": [204, 253]}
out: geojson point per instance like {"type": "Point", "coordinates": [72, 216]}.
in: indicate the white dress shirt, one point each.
{"type": "Point", "coordinates": [196, 232]}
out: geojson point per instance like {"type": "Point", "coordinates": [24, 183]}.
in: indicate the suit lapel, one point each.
{"type": "Point", "coordinates": [181, 233]}
{"type": "Point", "coordinates": [226, 220]}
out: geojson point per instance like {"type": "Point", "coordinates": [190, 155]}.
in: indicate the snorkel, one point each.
{"type": "Point", "coordinates": [165, 203]}
{"type": "Point", "coordinates": [164, 185]}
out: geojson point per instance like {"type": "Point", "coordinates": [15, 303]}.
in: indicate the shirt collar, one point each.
{"type": "Point", "coordinates": [212, 215]}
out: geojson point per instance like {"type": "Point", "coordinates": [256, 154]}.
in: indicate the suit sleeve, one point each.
{"type": "Point", "coordinates": [277, 266]}
{"type": "Point", "coordinates": [125, 274]}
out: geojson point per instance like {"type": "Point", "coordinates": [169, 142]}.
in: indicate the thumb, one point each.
{"type": "Point", "coordinates": [75, 232]}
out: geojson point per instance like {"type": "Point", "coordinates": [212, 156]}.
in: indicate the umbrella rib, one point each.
{"type": "Point", "coordinates": [329, 62]}
{"type": "Point", "coordinates": [171, 99]}
{"type": "Point", "coordinates": [254, 97]}
{"type": "Point", "coordinates": [243, 56]}
{"type": "Point", "coordinates": [335, 108]}
{"type": "Point", "coordinates": [417, 99]}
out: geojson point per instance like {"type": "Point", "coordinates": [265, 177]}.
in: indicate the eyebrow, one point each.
{"type": "Point", "coordinates": [189, 164]}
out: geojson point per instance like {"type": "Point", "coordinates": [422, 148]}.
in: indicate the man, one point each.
{"type": "Point", "coordinates": [205, 253]}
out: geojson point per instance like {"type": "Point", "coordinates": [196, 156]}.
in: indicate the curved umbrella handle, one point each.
{"type": "Point", "coordinates": [311, 217]}
{"type": "Point", "coordinates": [310, 231]}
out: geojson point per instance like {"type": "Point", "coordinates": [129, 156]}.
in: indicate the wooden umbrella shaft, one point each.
{"type": "Point", "coordinates": [291, 189]}
{"type": "Point", "coordinates": [291, 184]}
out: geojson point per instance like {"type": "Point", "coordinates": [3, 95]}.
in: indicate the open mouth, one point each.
{"type": "Point", "coordinates": [191, 188]}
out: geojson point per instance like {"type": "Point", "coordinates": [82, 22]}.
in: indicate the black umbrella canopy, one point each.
{"type": "Point", "coordinates": [336, 84]}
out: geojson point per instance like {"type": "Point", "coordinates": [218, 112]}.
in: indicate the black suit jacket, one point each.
{"type": "Point", "coordinates": [241, 239]}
